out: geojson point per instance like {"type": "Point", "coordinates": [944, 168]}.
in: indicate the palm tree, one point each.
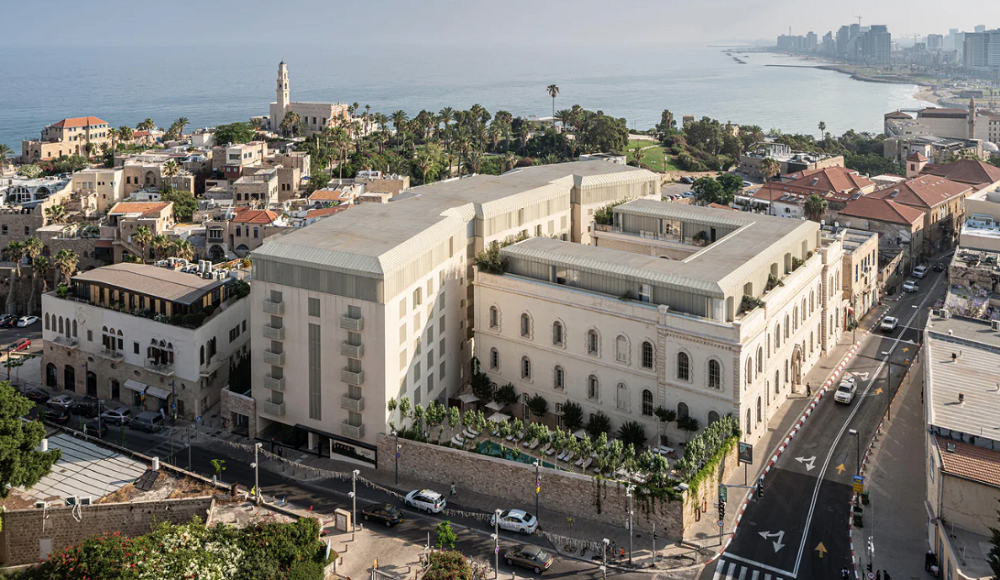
{"type": "Point", "coordinates": [142, 236]}
{"type": "Point", "coordinates": [769, 167]}
{"type": "Point", "coordinates": [66, 261]}
{"type": "Point", "coordinates": [15, 252]}
{"type": "Point", "coordinates": [474, 160]}
{"type": "Point", "coordinates": [509, 160]}
{"type": "Point", "coordinates": [565, 116]}
{"type": "Point", "coordinates": [5, 150]}
{"type": "Point", "coordinates": [399, 122]}
{"type": "Point", "coordinates": [160, 243]}
{"type": "Point", "coordinates": [42, 267]}
{"type": "Point", "coordinates": [170, 169]}
{"type": "Point", "coordinates": [125, 133]}
{"type": "Point", "coordinates": [181, 122]}
{"type": "Point", "coordinates": [113, 133]}
{"type": "Point", "coordinates": [815, 207]}
{"type": "Point", "coordinates": [822, 130]}
{"type": "Point", "coordinates": [338, 139]}
{"type": "Point", "coordinates": [146, 125]}
{"type": "Point", "coordinates": [182, 249]}
{"type": "Point", "coordinates": [32, 249]}
{"type": "Point", "coordinates": [553, 90]}
{"type": "Point", "coordinates": [56, 214]}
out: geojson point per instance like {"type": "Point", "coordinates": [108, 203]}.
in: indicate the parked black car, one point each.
{"type": "Point", "coordinates": [86, 407]}
{"type": "Point", "coordinates": [95, 427]}
{"type": "Point", "coordinates": [938, 267]}
{"type": "Point", "coordinates": [7, 320]}
{"type": "Point", "coordinates": [386, 513]}
{"type": "Point", "coordinates": [57, 415]}
{"type": "Point", "coordinates": [37, 395]}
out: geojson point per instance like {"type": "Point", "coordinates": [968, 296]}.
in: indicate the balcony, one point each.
{"type": "Point", "coordinates": [160, 368]}
{"type": "Point", "coordinates": [351, 377]}
{"type": "Point", "coordinates": [66, 342]}
{"type": "Point", "coordinates": [355, 324]}
{"type": "Point", "coordinates": [273, 383]}
{"type": "Point", "coordinates": [274, 333]}
{"type": "Point", "coordinates": [274, 307]}
{"type": "Point", "coordinates": [352, 431]}
{"type": "Point", "coordinates": [111, 354]}
{"type": "Point", "coordinates": [351, 350]}
{"type": "Point", "coordinates": [274, 358]}
{"type": "Point", "coordinates": [356, 405]}
{"type": "Point", "coordinates": [273, 409]}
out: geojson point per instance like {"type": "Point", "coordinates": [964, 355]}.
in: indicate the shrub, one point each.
{"type": "Point", "coordinates": [506, 395]}
{"type": "Point", "coordinates": [446, 536]}
{"type": "Point", "coordinates": [749, 303]}
{"type": "Point", "coordinates": [447, 565]}
{"type": "Point", "coordinates": [599, 423]}
{"type": "Point", "coordinates": [632, 433]}
{"type": "Point", "coordinates": [572, 417]}
{"type": "Point", "coordinates": [538, 406]}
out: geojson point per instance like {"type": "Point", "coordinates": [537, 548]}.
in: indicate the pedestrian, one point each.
{"type": "Point", "coordinates": [809, 390]}
{"type": "Point", "coordinates": [272, 444]}
{"type": "Point", "coordinates": [621, 553]}
{"type": "Point", "coordinates": [878, 575]}
{"type": "Point", "coordinates": [929, 556]}
{"type": "Point", "coordinates": [453, 490]}
{"type": "Point", "coordinates": [885, 575]}
{"type": "Point", "coordinates": [280, 452]}
{"type": "Point", "coordinates": [162, 414]}
{"type": "Point", "coordinates": [844, 574]}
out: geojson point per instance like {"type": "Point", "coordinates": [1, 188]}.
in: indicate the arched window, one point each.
{"type": "Point", "coordinates": [787, 327]}
{"type": "Point", "coordinates": [593, 388]}
{"type": "Point", "coordinates": [525, 325]}
{"type": "Point", "coordinates": [494, 359]}
{"type": "Point", "coordinates": [682, 410]}
{"type": "Point", "coordinates": [621, 349]}
{"type": "Point", "coordinates": [810, 342]}
{"type": "Point", "coordinates": [760, 359]}
{"type": "Point", "coordinates": [812, 300]}
{"type": "Point", "coordinates": [47, 321]}
{"type": "Point", "coordinates": [621, 397]}
{"type": "Point", "coordinates": [712, 417]}
{"type": "Point", "coordinates": [557, 333]}
{"type": "Point", "coordinates": [777, 337]}
{"type": "Point", "coordinates": [559, 379]}
{"type": "Point", "coordinates": [749, 424]}
{"type": "Point", "coordinates": [202, 357]}
{"type": "Point", "coordinates": [61, 331]}
{"type": "Point", "coordinates": [786, 370]}
{"type": "Point", "coordinates": [758, 410]}
{"type": "Point", "coordinates": [714, 374]}
{"type": "Point", "coordinates": [526, 368]}
{"type": "Point", "coordinates": [647, 354]}
{"type": "Point", "coordinates": [593, 342]}
{"type": "Point", "coordinates": [74, 329]}
{"type": "Point", "coordinates": [683, 366]}
{"type": "Point", "coordinates": [647, 402]}
{"type": "Point", "coordinates": [795, 318]}
{"type": "Point", "coordinates": [494, 317]}
{"type": "Point", "coordinates": [803, 309]}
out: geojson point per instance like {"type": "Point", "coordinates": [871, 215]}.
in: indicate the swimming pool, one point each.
{"type": "Point", "coordinates": [494, 449]}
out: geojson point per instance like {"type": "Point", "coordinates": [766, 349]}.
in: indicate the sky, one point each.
{"type": "Point", "coordinates": [412, 23]}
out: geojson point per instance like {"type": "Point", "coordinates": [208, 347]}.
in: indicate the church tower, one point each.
{"type": "Point", "coordinates": [282, 90]}
{"type": "Point", "coordinates": [972, 118]}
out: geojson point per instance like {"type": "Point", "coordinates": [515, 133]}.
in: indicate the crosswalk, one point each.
{"type": "Point", "coordinates": [729, 570]}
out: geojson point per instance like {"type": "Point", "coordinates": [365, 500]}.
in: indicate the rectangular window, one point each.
{"type": "Point", "coordinates": [441, 324]}
{"type": "Point", "coordinates": [430, 383]}
{"type": "Point", "coordinates": [402, 360]}
{"type": "Point", "coordinates": [402, 308]}
{"type": "Point", "coordinates": [430, 333]}
{"type": "Point", "coordinates": [418, 297]}
{"type": "Point", "coordinates": [402, 334]}
{"type": "Point", "coordinates": [416, 371]}
{"type": "Point", "coordinates": [315, 372]}
{"type": "Point", "coordinates": [441, 368]}
{"type": "Point", "coordinates": [90, 336]}
{"type": "Point", "coordinates": [275, 296]}
{"type": "Point", "coordinates": [416, 346]}
{"type": "Point", "coordinates": [244, 326]}
{"type": "Point", "coordinates": [441, 348]}
{"type": "Point", "coordinates": [314, 307]}
{"type": "Point", "coordinates": [430, 287]}
{"type": "Point", "coordinates": [135, 347]}
{"type": "Point", "coordinates": [354, 312]}
{"type": "Point", "coordinates": [441, 301]}
{"type": "Point", "coordinates": [430, 358]}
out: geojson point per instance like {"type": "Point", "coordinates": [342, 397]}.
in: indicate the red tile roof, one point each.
{"type": "Point", "coordinates": [916, 156]}
{"type": "Point", "coordinates": [966, 171]}
{"type": "Point", "coordinates": [326, 211]}
{"type": "Point", "coordinates": [882, 210]}
{"type": "Point", "coordinates": [942, 112]}
{"type": "Point", "coordinates": [924, 191]}
{"type": "Point", "coordinates": [839, 179]}
{"type": "Point", "coordinates": [80, 122]}
{"type": "Point", "coordinates": [897, 115]}
{"type": "Point", "coordinates": [326, 195]}
{"type": "Point", "coordinates": [255, 216]}
{"type": "Point", "coordinates": [144, 208]}
{"type": "Point", "coordinates": [970, 462]}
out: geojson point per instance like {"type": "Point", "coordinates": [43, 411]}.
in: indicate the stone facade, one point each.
{"type": "Point", "coordinates": [234, 404]}
{"type": "Point", "coordinates": [26, 531]}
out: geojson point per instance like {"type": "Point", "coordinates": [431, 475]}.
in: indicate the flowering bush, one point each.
{"type": "Point", "coordinates": [261, 551]}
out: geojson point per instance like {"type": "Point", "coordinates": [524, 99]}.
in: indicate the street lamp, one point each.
{"type": "Point", "coordinates": [538, 490]}
{"type": "Point", "coordinates": [396, 435]}
{"type": "Point", "coordinates": [604, 557]}
{"type": "Point", "coordinates": [496, 542]}
{"type": "Point", "coordinates": [857, 438]}
{"type": "Point", "coordinates": [628, 496]}
{"type": "Point", "coordinates": [256, 472]}
{"type": "Point", "coordinates": [354, 500]}
{"type": "Point", "coordinates": [888, 383]}
{"type": "Point", "coordinates": [190, 432]}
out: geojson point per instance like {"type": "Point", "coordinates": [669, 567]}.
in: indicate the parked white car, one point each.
{"type": "Point", "coordinates": [845, 391]}
{"type": "Point", "coordinates": [27, 321]}
{"type": "Point", "coordinates": [426, 500]}
{"type": "Point", "coordinates": [117, 416]}
{"type": "Point", "coordinates": [61, 402]}
{"type": "Point", "coordinates": [889, 324]}
{"type": "Point", "coordinates": [910, 286]}
{"type": "Point", "coordinates": [518, 521]}
{"type": "Point", "coordinates": [920, 271]}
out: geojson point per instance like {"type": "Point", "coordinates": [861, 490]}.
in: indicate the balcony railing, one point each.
{"type": "Point", "coordinates": [274, 307]}
{"type": "Point", "coordinates": [273, 383]}
{"type": "Point", "coordinates": [274, 358]}
{"type": "Point", "coordinates": [356, 405]}
{"type": "Point", "coordinates": [275, 409]}
{"type": "Point", "coordinates": [274, 333]}
{"type": "Point", "coordinates": [355, 324]}
{"type": "Point", "coordinates": [161, 368]}
{"type": "Point", "coordinates": [351, 377]}
{"type": "Point", "coordinates": [112, 354]}
{"type": "Point", "coordinates": [67, 342]}
{"type": "Point", "coordinates": [351, 350]}
{"type": "Point", "coordinates": [352, 431]}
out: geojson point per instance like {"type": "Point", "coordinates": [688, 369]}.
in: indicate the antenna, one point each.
{"type": "Point", "coordinates": [859, 21]}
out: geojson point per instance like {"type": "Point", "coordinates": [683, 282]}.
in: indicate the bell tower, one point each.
{"type": "Point", "coordinates": [282, 90]}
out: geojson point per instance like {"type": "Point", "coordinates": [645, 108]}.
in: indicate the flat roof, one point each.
{"type": "Point", "coordinates": [85, 470]}
{"type": "Point", "coordinates": [155, 281]}
{"type": "Point", "coordinates": [975, 374]}
{"type": "Point", "coordinates": [375, 238]}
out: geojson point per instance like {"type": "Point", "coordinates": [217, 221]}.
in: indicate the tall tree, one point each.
{"type": "Point", "coordinates": [33, 249]}
{"type": "Point", "coordinates": [769, 167]}
{"type": "Point", "coordinates": [666, 124]}
{"type": "Point", "coordinates": [43, 266]}
{"type": "Point", "coordinates": [143, 236]}
{"type": "Point", "coordinates": [822, 130]}
{"type": "Point", "coordinates": [146, 125]}
{"type": "Point", "coordinates": [815, 207]}
{"type": "Point", "coordinates": [21, 464]}
{"type": "Point", "coordinates": [553, 90]}
{"type": "Point", "coordinates": [15, 253]}
{"type": "Point", "coordinates": [5, 151]}
{"type": "Point", "coordinates": [56, 214]}
{"type": "Point", "coordinates": [65, 261]}
{"type": "Point", "coordinates": [160, 244]}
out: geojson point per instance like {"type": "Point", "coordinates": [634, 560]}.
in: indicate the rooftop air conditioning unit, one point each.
{"type": "Point", "coordinates": [995, 324]}
{"type": "Point", "coordinates": [72, 500]}
{"type": "Point", "coordinates": [39, 505]}
{"type": "Point", "coordinates": [86, 500]}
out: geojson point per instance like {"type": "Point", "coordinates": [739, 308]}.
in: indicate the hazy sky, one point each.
{"type": "Point", "coordinates": [83, 23]}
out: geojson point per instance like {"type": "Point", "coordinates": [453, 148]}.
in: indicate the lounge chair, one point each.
{"type": "Point", "coordinates": [457, 440]}
{"type": "Point", "coordinates": [510, 437]}
{"type": "Point", "coordinates": [578, 462]}
{"type": "Point", "coordinates": [533, 444]}
{"type": "Point", "coordinates": [473, 432]}
{"type": "Point", "coordinates": [561, 456]}
{"type": "Point", "coordinates": [550, 451]}
{"type": "Point", "coordinates": [587, 463]}
{"type": "Point", "coordinates": [545, 448]}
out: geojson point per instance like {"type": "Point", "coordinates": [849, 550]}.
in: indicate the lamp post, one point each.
{"type": "Point", "coordinates": [354, 501]}
{"type": "Point", "coordinates": [538, 490]}
{"type": "Point", "coordinates": [857, 438]}
{"type": "Point", "coordinates": [190, 431]}
{"type": "Point", "coordinates": [888, 384]}
{"type": "Point", "coordinates": [496, 542]}
{"type": "Point", "coordinates": [604, 557]}
{"type": "Point", "coordinates": [256, 473]}
{"type": "Point", "coordinates": [628, 496]}
{"type": "Point", "coordinates": [396, 435]}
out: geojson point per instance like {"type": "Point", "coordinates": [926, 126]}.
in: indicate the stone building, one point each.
{"type": "Point", "coordinates": [316, 116]}
{"type": "Point", "coordinates": [71, 136]}
{"type": "Point", "coordinates": [127, 217]}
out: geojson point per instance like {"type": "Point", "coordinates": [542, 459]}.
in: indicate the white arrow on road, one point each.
{"type": "Point", "coordinates": [777, 544]}
{"type": "Point", "coordinates": [863, 376]}
{"type": "Point", "coordinates": [809, 462]}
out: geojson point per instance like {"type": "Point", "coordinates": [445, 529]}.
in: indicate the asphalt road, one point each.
{"type": "Point", "coordinates": [800, 528]}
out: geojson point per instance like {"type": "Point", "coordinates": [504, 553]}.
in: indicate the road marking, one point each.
{"type": "Point", "coordinates": [840, 469]}
{"type": "Point", "coordinates": [906, 349]}
{"type": "Point", "coordinates": [821, 549]}
{"type": "Point", "coordinates": [809, 462]}
{"type": "Point", "coordinates": [743, 573]}
{"type": "Point", "coordinates": [729, 573]}
{"type": "Point", "coordinates": [756, 573]}
{"type": "Point", "coordinates": [878, 391]}
{"type": "Point", "coordinates": [780, 535]}
{"type": "Point", "coordinates": [760, 565]}
{"type": "Point", "coordinates": [718, 570]}
{"type": "Point", "coordinates": [836, 441]}
{"type": "Point", "coordinates": [863, 376]}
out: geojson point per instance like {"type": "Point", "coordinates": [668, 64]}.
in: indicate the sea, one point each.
{"type": "Point", "coordinates": [214, 84]}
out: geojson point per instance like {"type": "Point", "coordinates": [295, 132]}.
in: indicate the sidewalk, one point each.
{"type": "Point", "coordinates": [896, 517]}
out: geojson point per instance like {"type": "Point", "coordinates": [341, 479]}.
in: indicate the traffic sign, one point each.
{"type": "Point", "coordinates": [859, 483]}
{"type": "Point", "coordinates": [723, 493]}
{"type": "Point", "coordinates": [871, 576]}
{"type": "Point", "coordinates": [746, 453]}
{"type": "Point", "coordinates": [721, 523]}
{"type": "Point", "coordinates": [496, 550]}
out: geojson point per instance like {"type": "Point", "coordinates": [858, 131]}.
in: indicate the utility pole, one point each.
{"type": "Point", "coordinates": [538, 490]}
{"type": "Point", "coordinates": [396, 435]}
{"type": "Point", "coordinates": [256, 472]}
{"type": "Point", "coordinates": [354, 501]}
{"type": "Point", "coordinates": [857, 438]}
{"type": "Point", "coordinates": [496, 542]}
{"type": "Point", "coordinates": [654, 543]}
{"type": "Point", "coordinates": [190, 431]}
{"type": "Point", "coordinates": [628, 496]}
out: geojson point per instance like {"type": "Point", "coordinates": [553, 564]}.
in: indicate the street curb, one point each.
{"type": "Point", "coordinates": [795, 429]}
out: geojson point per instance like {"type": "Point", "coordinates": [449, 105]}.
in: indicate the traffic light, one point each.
{"type": "Point", "coordinates": [722, 510]}
{"type": "Point", "coordinates": [760, 488]}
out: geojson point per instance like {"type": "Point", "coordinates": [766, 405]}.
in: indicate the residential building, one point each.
{"type": "Point", "coordinates": [316, 116]}
{"type": "Point", "coordinates": [663, 311]}
{"type": "Point", "coordinates": [788, 161]}
{"type": "Point", "coordinates": [293, 170]}
{"type": "Point", "coordinates": [376, 182]}
{"type": "Point", "coordinates": [376, 303]}
{"type": "Point", "coordinates": [982, 177]}
{"type": "Point", "coordinates": [963, 460]}
{"type": "Point", "coordinates": [946, 123]}
{"type": "Point", "coordinates": [99, 188]}
{"type": "Point", "coordinates": [70, 136]}
{"type": "Point", "coordinates": [259, 189]}
{"type": "Point", "coordinates": [230, 160]}
{"type": "Point", "coordinates": [836, 185]}
{"type": "Point", "coordinates": [145, 336]}
{"type": "Point", "coordinates": [127, 217]}
{"type": "Point", "coordinates": [149, 171]}
{"type": "Point", "coordinates": [900, 228]}
{"type": "Point", "coordinates": [982, 51]}
{"type": "Point", "coordinates": [861, 267]}
{"type": "Point", "coordinates": [241, 231]}
{"type": "Point", "coordinates": [939, 199]}
{"type": "Point", "coordinates": [23, 192]}
{"type": "Point", "coordinates": [931, 148]}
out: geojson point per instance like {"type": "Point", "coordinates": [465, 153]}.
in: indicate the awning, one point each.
{"type": "Point", "coordinates": [135, 386]}
{"type": "Point", "coordinates": [468, 398]}
{"type": "Point", "coordinates": [494, 406]}
{"type": "Point", "coordinates": [158, 393]}
{"type": "Point", "coordinates": [498, 417]}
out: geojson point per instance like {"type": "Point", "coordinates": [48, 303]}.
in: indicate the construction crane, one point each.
{"type": "Point", "coordinates": [859, 21]}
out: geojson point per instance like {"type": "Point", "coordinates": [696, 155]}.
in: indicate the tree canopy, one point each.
{"type": "Point", "coordinates": [234, 133]}
{"type": "Point", "coordinates": [184, 203]}
{"type": "Point", "coordinates": [20, 464]}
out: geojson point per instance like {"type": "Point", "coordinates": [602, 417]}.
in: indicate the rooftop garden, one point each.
{"type": "Point", "coordinates": [490, 260]}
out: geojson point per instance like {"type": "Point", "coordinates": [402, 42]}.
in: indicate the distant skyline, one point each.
{"type": "Point", "coordinates": [118, 23]}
